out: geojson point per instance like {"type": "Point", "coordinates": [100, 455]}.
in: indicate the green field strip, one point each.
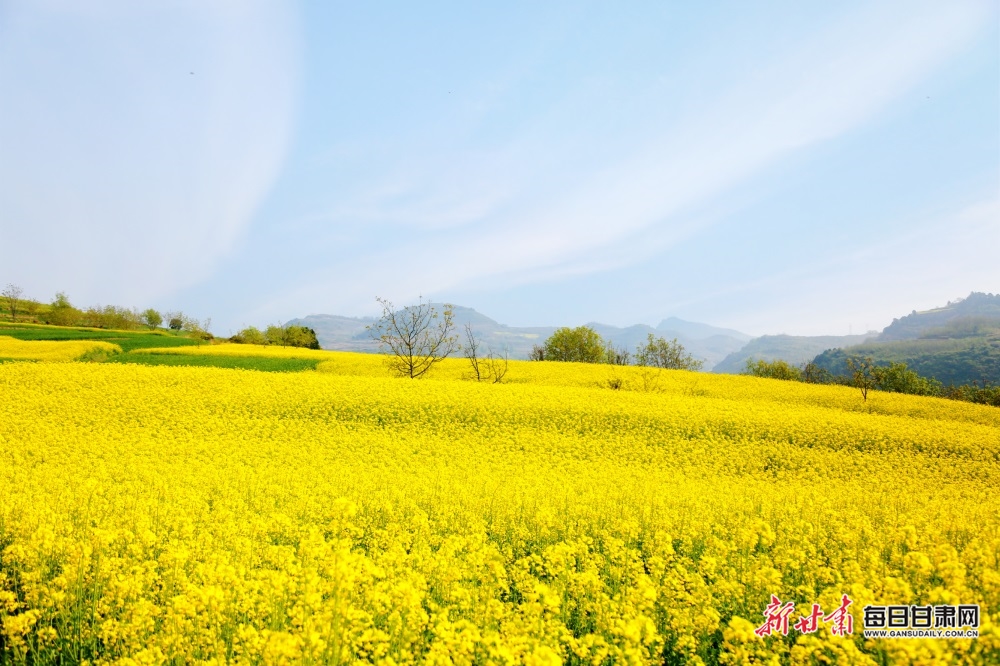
{"type": "Point", "coordinates": [234, 362]}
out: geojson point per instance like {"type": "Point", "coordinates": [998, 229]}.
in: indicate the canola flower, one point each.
{"type": "Point", "coordinates": [172, 514]}
{"type": "Point", "coordinates": [232, 349]}
{"type": "Point", "coordinates": [51, 350]}
{"type": "Point", "coordinates": [629, 378]}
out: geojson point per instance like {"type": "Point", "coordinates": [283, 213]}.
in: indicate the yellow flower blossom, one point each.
{"type": "Point", "coordinates": [51, 350]}
{"type": "Point", "coordinates": [200, 515]}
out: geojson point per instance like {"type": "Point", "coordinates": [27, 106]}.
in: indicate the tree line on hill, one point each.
{"type": "Point", "coordinates": [284, 336]}
{"type": "Point", "coordinates": [867, 374]}
{"type": "Point", "coordinates": [61, 312]}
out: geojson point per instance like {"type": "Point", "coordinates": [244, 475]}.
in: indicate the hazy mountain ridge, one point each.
{"type": "Point", "coordinates": [955, 343]}
{"type": "Point", "coordinates": [708, 343]}
{"type": "Point", "coordinates": [698, 331]}
{"type": "Point", "coordinates": [793, 349]}
{"type": "Point", "coordinates": [976, 308]}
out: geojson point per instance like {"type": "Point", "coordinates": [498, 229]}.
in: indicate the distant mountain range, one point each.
{"type": "Point", "coordinates": [955, 343]}
{"type": "Point", "coordinates": [708, 343]}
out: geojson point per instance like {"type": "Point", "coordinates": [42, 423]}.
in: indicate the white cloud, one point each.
{"type": "Point", "coordinates": [138, 139]}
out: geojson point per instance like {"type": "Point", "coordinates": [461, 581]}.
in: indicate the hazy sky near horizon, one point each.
{"type": "Point", "coordinates": [777, 167]}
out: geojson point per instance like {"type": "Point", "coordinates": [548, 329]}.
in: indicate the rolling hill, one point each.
{"type": "Point", "coordinates": [955, 344]}
{"type": "Point", "coordinates": [976, 315]}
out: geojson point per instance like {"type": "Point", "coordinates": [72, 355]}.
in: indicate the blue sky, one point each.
{"type": "Point", "coordinates": [806, 168]}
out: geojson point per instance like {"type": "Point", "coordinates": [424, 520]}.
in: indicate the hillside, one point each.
{"type": "Point", "coordinates": [793, 349]}
{"type": "Point", "coordinates": [955, 344]}
{"type": "Point", "coordinates": [703, 341]}
{"type": "Point", "coordinates": [976, 309]}
{"type": "Point", "coordinates": [950, 361]}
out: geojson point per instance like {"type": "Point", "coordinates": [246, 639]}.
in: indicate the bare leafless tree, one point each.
{"type": "Point", "coordinates": [492, 367]}
{"type": "Point", "coordinates": [864, 374]}
{"type": "Point", "coordinates": [650, 377]}
{"type": "Point", "coordinates": [12, 294]}
{"type": "Point", "coordinates": [415, 337]}
{"type": "Point", "coordinates": [497, 364]}
{"type": "Point", "coordinates": [471, 350]}
{"type": "Point", "coordinates": [616, 355]}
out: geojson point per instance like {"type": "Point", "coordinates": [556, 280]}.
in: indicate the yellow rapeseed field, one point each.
{"type": "Point", "coordinates": [231, 349]}
{"type": "Point", "coordinates": [182, 515]}
{"type": "Point", "coordinates": [51, 350]}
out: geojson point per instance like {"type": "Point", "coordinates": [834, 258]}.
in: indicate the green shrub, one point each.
{"type": "Point", "coordinates": [581, 344]}
{"type": "Point", "coordinates": [776, 369]}
{"type": "Point", "coordinates": [897, 378]}
{"type": "Point", "coordinates": [659, 352]}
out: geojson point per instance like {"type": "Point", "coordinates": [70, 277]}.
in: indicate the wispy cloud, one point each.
{"type": "Point", "coordinates": [511, 220]}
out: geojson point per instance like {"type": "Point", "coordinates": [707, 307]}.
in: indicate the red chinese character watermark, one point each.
{"type": "Point", "coordinates": [808, 624]}
{"type": "Point", "coordinates": [843, 623]}
{"type": "Point", "coordinates": [776, 615]}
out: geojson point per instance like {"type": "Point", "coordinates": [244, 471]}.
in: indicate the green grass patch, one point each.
{"type": "Point", "coordinates": [242, 362]}
{"type": "Point", "coordinates": [147, 341]}
{"type": "Point", "coordinates": [17, 360]}
{"type": "Point", "coordinates": [127, 340]}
